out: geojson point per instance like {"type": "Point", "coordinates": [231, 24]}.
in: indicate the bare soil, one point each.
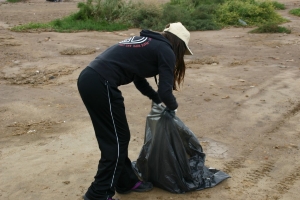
{"type": "Point", "coordinates": [240, 97]}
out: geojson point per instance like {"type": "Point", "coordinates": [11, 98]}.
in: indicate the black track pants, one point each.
{"type": "Point", "coordinates": [105, 105]}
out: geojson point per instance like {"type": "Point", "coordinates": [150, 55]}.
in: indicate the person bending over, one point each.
{"type": "Point", "coordinates": [131, 60]}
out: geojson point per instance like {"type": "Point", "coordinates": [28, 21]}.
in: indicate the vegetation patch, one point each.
{"type": "Point", "coordinates": [78, 51]}
{"type": "Point", "coordinates": [253, 13]}
{"type": "Point", "coordinates": [271, 28]}
{"type": "Point", "coordinates": [295, 12]}
{"type": "Point", "coordinates": [14, 1]}
{"type": "Point", "coordinates": [32, 26]}
{"type": "Point", "coordinates": [114, 15]}
{"type": "Point", "coordinates": [278, 6]}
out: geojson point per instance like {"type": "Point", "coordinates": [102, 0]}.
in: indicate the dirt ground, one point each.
{"type": "Point", "coordinates": [240, 97]}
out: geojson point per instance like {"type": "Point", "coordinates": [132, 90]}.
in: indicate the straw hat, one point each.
{"type": "Point", "coordinates": [180, 31]}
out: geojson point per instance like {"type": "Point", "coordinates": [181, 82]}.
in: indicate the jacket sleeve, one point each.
{"type": "Point", "coordinates": [144, 87]}
{"type": "Point", "coordinates": [166, 66]}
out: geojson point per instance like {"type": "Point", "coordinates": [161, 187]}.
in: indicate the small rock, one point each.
{"type": "Point", "coordinates": [31, 131]}
{"type": "Point", "coordinates": [227, 97]}
{"type": "Point", "coordinates": [66, 182]}
{"type": "Point", "coordinates": [292, 60]}
{"type": "Point", "coordinates": [282, 66]}
{"type": "Point", "coordinates": [293, 145]}
{"type": "Point", "coordinates": [121, 34]}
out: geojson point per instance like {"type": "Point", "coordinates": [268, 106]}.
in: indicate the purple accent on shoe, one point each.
{"type": "Point", "coordinates": [137, 185]}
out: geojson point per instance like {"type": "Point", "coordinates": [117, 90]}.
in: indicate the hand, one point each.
{"type": "Point", "coordinates": [171, 112]}
{"type": "Point", "coordinates": [159, 105]}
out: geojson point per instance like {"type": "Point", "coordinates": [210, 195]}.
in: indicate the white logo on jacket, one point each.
{"type": "Point", "coordinates": [134, 40]}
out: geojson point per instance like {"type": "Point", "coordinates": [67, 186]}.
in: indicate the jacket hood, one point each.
{"type": "Point", "coordinates": [155, 35]}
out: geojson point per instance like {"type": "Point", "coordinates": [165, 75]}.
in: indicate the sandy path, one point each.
{"type": "Point", "coordinates": [240, 98]}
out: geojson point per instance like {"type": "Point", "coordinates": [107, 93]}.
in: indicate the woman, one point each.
{"type": "Point", "coordinates": [132, 60]}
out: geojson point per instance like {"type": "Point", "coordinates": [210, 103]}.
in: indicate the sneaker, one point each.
{"type": "Point", "coordinates": [85, 198]}
{"type": "Point", "coordinates": [139, 187]}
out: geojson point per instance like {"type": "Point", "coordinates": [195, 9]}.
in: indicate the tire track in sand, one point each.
{"type": "Point", "coordinates": [286, 183]}
{"type": "Point", "coordinates": [257, 176]}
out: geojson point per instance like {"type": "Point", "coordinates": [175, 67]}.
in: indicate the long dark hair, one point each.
{"type": "Point", "coordinates": [179, 49]}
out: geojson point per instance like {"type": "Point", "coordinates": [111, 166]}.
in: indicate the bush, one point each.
{"type": "Point", "coordinates": [176, 13]}
{"type": "Point", "coordinates": [14, 1]}
{"type": "Point", "coordinates": [278, 6]}
{"type": "Point", "coordinates": [195, 3]}
{"type": "Point", "coordinates": [200, 17]}
{"type": "Point", "coordinates": [108, 10]}
{"type": "Point", "coordinates": [194, 14]}
{"type": "Point", "coordinates": [156, 16]}
{"type": "Point", "coordinates": [295, 12]}
{"type": "Point", "coordinates": [250, 11]}
{"type": "Point", "coordinates": [143, 15]}
{"type": "Point", "coordinates": [271, 28]}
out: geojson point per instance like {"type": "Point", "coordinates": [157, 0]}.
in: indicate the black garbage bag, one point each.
{"type": "Point", "coordinates": [172, 157]}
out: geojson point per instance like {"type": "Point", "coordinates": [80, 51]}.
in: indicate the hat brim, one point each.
{"type": "Point", "coordinates": [188, 51]}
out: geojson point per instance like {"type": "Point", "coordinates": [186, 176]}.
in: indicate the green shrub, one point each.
{"type": "Point", "coordinates": [195, 3]}
{"type": "Point", "coordinates": [143, 15]}
{"type": "Point", "coordinates": [278, 6]}
{"type": "Point", "coordinates": [295, 12]}
{"type": "Point", "coordinates": [200, 17]}
{"type": "Point", "coordinates": [13, 1]}
{"type": "Point", "coordinates": [68, 24]}
{"type": "Point", "coordinates": [194, 14]}
{"type": "Point", "coordinates": [108, 10]}
{"type": "Point", "coordinates": [251, 11]}
{"type": "Point", "coordinates": [271, 28]}
{"type": "Point", "coordinates": [204, 17]}
{"type": "Point", "coordinates": [31, 26]}
{"type": "Point", "coordinates": [175, 13]}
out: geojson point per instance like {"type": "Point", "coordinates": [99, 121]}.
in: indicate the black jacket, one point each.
{"type": "Point", "coordinates": [138, 58]}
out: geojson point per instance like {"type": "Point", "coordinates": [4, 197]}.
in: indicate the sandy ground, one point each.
{"type": "Point", "coordinates": [240, 97]}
